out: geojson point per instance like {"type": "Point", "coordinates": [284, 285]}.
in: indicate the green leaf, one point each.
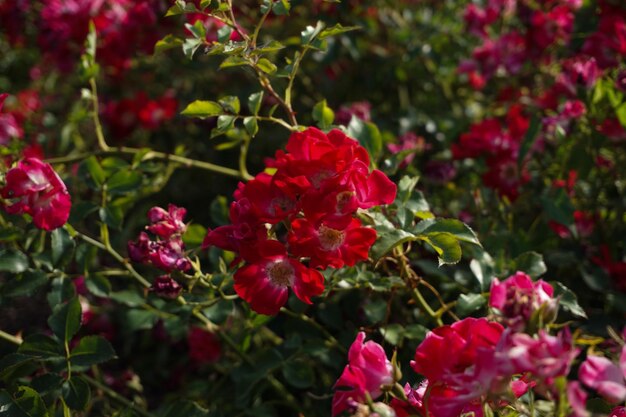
{"type": "Point", "coordinates": [76, 393]}
{"type": "Point", "coordinates": [456, 228]}
{"type": "Point", "coordinates": [446, 245]}
{"type": "Point", "coordinates": [469, 303]}
{"type": "Point", "coordinates": [95, 170]}
{"type": "Point", "coordinates": [299, 374]}
{"type": "Point", "coordinates": [375, 310]}
{"type": "Point", "coordinates": [531, 263]}
{"type": "Point", "coordinates": [62, 246]}
{"type": "Point", "coordinates": [406, 186]}
{"type": "Point", "coordinates": [124, 181]}
{"type": "Point", "coordinates": [202, 109]}
{"type": "Point", "coordinates": [233, 61]}
{"type": "Point", "coordinates": [42, 347]}
{"type": "Point", "coordinates": [387, 240]}
{"type": "Point", "coordinates": [190, 46]}
{"type": "Point", "coordinates": [140, 320]}
{"type": "Point", "coordinates": [25, 284]}
{"type": "Point", "coordinates": [62, 290]}
{"type": "Point", "coordinates": [308, 35]}
{"type": "Point", "coordinates": [254, 102]}
{"type": "Point", "coordinates": [224, 124]}
{"type": "Point", "coordinates": [567, 299]}
{"type": "Point", "coordinates": [323, 115]}
{"type": "Point", "coordinates": [15, 365]}
{"type": "Point", "coordinates": [113, 216]}
{"type": "Point", "coordinates": [281, 7]}
{"type": "Point", "coordinates": [65, 320]}
{"type": "Point", "coordinates": [98, 285]}
{"type": "Point", "coordinates": [336, 30]}
{"type": "Point", "coordinates": [251, 125]}
{"type": "Point", "coordinates": [194, 235]}
{"type": "Point", "coordinates": [367, 134]}
{"type": "Point", "coordinates": [266, 66]}
{"type": "Point", "coordinates": [483, 268]}
{"type": "Point", "coordinates": [197, 29]}
{"type": "Point", "coordinates": [224, 33]}
{"type": "Point", "coordinates": [415, 332]}
{"type": "Point", "coordinates": [230, 104]}
{"type": "Point", "coordinates": [25, 402]}
{"type": "Point", "coordinates": [13, 261]}
{"type": "Point", "coordinates": [271, 46]}
{"type": "Point", "coordinates": [393, 333]}
{"type": "Point", "coordinates": [168, 42]}
{"type": "Point", "coordinates": [47, 383]}
{"type": "Point", "coordinates": [91, 350]}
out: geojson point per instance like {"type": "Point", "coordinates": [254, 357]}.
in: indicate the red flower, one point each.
{"type": "Point", "coordinates": [327, 244]}
{"type": "Point", "coordinates": [34, 188]}
{"type": "Point", "coordinates": [204, 347]}
{"type": "Point", "coordinates": [368, 370]}
{"type": "Point", "coordinates": [265, 279]}
{"type": "Point", "coordinates": [459, 362]}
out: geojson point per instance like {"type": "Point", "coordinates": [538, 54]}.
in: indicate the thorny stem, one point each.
{"type": "Point", "coordinates": [415, 293]}
{"type": "Point", "coordinates": [267, 86]}
{"type": "Point", "coordinates": [292, 76]}
{"type": "Point", "coordinates": [96, 115]}
{"type": "Point", "coordinates": [109, 249]}
{"type": "Point", "coordinates": [10, 338]}
{"type": "Point", "coordinates": [257, 29]}
{"type": "Point", "coordinates": [125, 150]}
{"type": "Point", "coordinates": [419, 298]}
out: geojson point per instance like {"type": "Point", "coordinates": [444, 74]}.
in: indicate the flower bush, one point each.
{"type": "Point", "coordinates": [280, 207]}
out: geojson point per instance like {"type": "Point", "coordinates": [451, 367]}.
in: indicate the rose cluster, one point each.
{"type": "Point", "coordinates": [288, 225]}
{"type": "Point", "coordinates": [167, 251]}
{"type": "Point", "coordinates": [476, 363]}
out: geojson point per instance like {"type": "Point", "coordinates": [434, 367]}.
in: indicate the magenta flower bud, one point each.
{"type": "Point", "coordinates": [517, 298]}
{"type": "Point", "coordinates": [139, 250]}
{"type": "Point", "coordinates": [167, 223]}
{"type": "Point", "coordinates": [164, 286]}
{"type": "Point", "coordinates": [368, 370]}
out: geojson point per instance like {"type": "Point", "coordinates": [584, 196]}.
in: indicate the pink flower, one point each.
{"type": "Point", "coordinates": [518, 297]}
{"type": "Point", "coordinates": [577, 398]}
{"type": "Point", "coordinates": [460, 364]}
{"type": "Point", "coordinates": [605, 377]}
{"type": "Point", "coordinates": [359, 109]}
{"type": "Point", "coordinates": [368, 370]}
{"type": "Point", "coordinates": [34, 188]}
{"type": "Point", "coordinates": [167, 223]}
{"type": "Point", "coordinates": [618, 412]}
{"type": "Point", "coordinates": [415, 401]}
{"type": "Point", "coordinates": [546, 357]}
